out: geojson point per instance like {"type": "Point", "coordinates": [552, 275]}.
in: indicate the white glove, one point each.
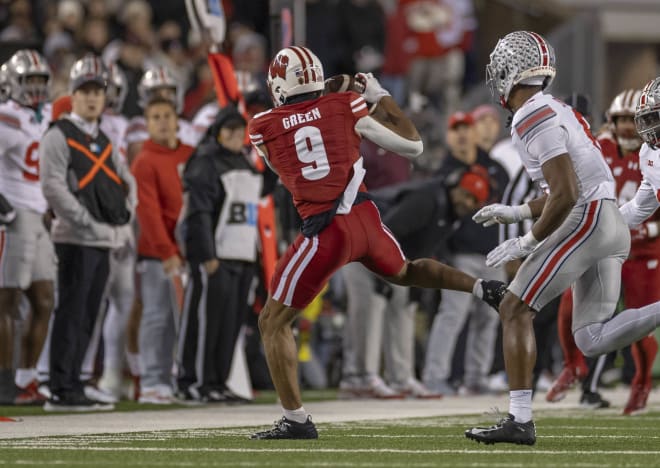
{"type": "Point", "coordinates": [373, 91]}
{"type": "Point", "coordinates": [502, 214]}
{"type": "Point", "coordinates": [511, 250]}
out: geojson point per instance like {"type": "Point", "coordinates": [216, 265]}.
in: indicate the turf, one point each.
{"type": "Point", "coordinates": [565, 438]}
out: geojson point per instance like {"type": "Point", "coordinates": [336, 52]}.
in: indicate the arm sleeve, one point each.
{"type": "Point", "coordinates": [54, 165]}
{"type": "Point", "coordinates": [149, 212]}
{"type": "Point", "coordinates": [411, 214]}
{"type": "Point", "coordinates": [204, 193]}
{"type": "Point", "coordinates": [374, 131]}
{"type": "Point", "coordinates": [643, 205]}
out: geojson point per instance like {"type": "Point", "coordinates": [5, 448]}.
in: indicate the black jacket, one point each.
{"type": "Point", "coordinates": [471, 237]}
{"type": "Point", "coordinates": [419, 215]}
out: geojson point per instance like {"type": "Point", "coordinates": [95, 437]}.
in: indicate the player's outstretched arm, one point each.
{"type": "Point", "coordinates": [643, 205]}
{"type": "Point", "coordinates": [387, 125]}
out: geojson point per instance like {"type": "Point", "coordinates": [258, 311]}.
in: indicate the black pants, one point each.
{"type": "Point", "coordinates": [216, 307]}
{"type": "Point", "coordinates": [82, 274]}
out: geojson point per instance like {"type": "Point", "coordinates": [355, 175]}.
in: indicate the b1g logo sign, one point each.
{"type": "Point", "coordinates": [243, 213]}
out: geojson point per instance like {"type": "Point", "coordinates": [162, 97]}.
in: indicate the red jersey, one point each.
{"type": "Point", "coordinates": [157, 172]}
{"type": "Point", "coordinates": [313, 146]}
{"type": "Point", "coordinates": [627, 177]}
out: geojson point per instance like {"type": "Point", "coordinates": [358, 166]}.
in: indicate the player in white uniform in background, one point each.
{"type": "Point", "coordinates": [27, 258]}
{"type": "Point", "coordinates": [158, 81]}
{"type": "Point", "coordinates": [647, 122]}
{"type": "Point", "coordinates": [579, 237]}
{"type": "Point", "coordinates": [121, 283]}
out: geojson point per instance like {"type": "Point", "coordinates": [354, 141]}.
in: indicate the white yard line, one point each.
{"type": "Point", "coordinates": [250, 415]}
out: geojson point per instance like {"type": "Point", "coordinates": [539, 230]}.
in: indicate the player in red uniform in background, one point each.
{"type": "Point", "coordinates": [312, 142]}
{"type": "Point", "coordinates": [640, 274]}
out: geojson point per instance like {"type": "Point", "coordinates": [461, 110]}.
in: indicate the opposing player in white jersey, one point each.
{"type": "Point", "coordinates": [647, 122]}
{"type": "Point", "coordinates": [27, 259]}
{"type": "Point", "coordinates": [158, 81]}
{"type": "Point", "coordinates": [579, 237]}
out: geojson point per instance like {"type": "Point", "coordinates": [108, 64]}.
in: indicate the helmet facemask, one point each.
{"type": "Point", "coordinates": [647, 114]}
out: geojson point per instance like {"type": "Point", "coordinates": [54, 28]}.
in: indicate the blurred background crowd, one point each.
{"type": "Point", "coordinates": [364, 337]}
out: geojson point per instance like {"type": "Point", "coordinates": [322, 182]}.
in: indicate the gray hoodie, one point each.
{"type": "Point", "coordinates": [73, 223]}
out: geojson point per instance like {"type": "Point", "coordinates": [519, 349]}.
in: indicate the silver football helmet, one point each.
{"type": "Point", "coordinates": [521, 57]}
{"type": "Point", "coordinates": [5, 86]}
{"type": "Point", "coordinates": [624, 104]}
{"type": "Point", "coordinates": [117, 88]}
{"type": "Point", "coordinates": [294, 70]}
{"type": "Point", "coordinates": [29, 77]}
{"type": "Point", "coordinates": [647, 114]}
{"type": "Point", "coordinates": [89, 69]}
{"type": "Point", "coordinates": [160, 80]}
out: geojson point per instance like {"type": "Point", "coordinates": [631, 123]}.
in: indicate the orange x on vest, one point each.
{"type": "Point", "coordinates": [99, 163]}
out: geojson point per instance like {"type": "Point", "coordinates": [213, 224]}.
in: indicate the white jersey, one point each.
{"type": "Point", "coordinates": [544, 128]}
{"type": "Point", "coordinates": [137, 131]}
{"type": "Point", "coordinates": [647, 198]}
{"type": "Point", "coordinates": [204, 117]}
{"type": "Point", "coordinates": [114, 126]}
{"type": "Point", "coordinates": [21, 129]}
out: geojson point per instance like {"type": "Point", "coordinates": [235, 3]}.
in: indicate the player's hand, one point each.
{"type": "Point", "coordinates": [211, 266]}
{"type": "Point", "coordinates": [644, 231]}
{"type": "Point", "coordinates": [373, 91]}
{"type": "Point", "coordinates": [501, 214]}
{"type": "Point", "coordinates": [512, 249]}
{"type": "Point", "coordinates": [172, 265]}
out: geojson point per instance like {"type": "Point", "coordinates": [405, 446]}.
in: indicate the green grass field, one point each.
{"type": "Point", "coordinates": [577, 438]}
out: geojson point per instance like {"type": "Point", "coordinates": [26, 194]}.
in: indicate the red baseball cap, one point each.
{"type": "Point", "coordinates": [476, 184]}
{"type": "Point", "coordinates": [458, 118]}
{"type": "Point", "coordinates": [484, 110]}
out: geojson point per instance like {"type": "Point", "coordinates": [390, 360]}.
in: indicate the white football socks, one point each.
{"type": "Point", "coordinates": [297, 415]}
{"type": "Point", "coordinates": [520, 405]}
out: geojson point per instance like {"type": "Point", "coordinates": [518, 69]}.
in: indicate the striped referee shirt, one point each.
{"type": "Point", "coordinates": [520, 190]}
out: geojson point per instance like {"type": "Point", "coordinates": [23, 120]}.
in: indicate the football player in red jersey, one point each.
{"type": "Point", "coordinates": [312, 141]}
{"type": "Point", "coordinates": [641, 272]}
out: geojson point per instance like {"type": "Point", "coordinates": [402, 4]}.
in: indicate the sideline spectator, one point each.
{"type": "Point", "coordinates": [92, 194]}
{"type": "Point", "coordinates": [156, 169]}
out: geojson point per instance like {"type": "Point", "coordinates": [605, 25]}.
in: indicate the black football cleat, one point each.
{"type": "Point", "coordinates": [285, 429]}
{"type": "Point", "coordinates": [507, 430]}
{"type": "Point", "coordinates": [493, 292]}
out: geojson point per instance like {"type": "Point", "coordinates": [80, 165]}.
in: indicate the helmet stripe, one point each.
{"type": "Point", "coordinates": [34, 57]}
{"type": "Point", "coordinates": [543, 49]}
{"type": "Point", "coordinates": [302, 61]}
{"type": "Point", "coordinates": [305, 51]}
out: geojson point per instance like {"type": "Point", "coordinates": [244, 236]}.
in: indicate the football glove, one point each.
{"type": "Point", "coordinates": [373, 91]}
{"type": "Point", "coordinates": [511, 249]}
{"type": "Point", "coordinates": [502, 214]}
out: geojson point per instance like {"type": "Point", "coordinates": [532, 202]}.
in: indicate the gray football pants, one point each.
{"type": "Point", "coordinates": [160, 315]}
{"type": "Point", "coordinates": [454, 310]}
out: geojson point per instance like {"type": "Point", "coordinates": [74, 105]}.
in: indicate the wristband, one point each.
{"type": "Point", "coordinates": [524, 211]}
{"type": "Point", "coordinates": [528, 240]}
{"type": "Point", "coordinates": [652, 229]}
